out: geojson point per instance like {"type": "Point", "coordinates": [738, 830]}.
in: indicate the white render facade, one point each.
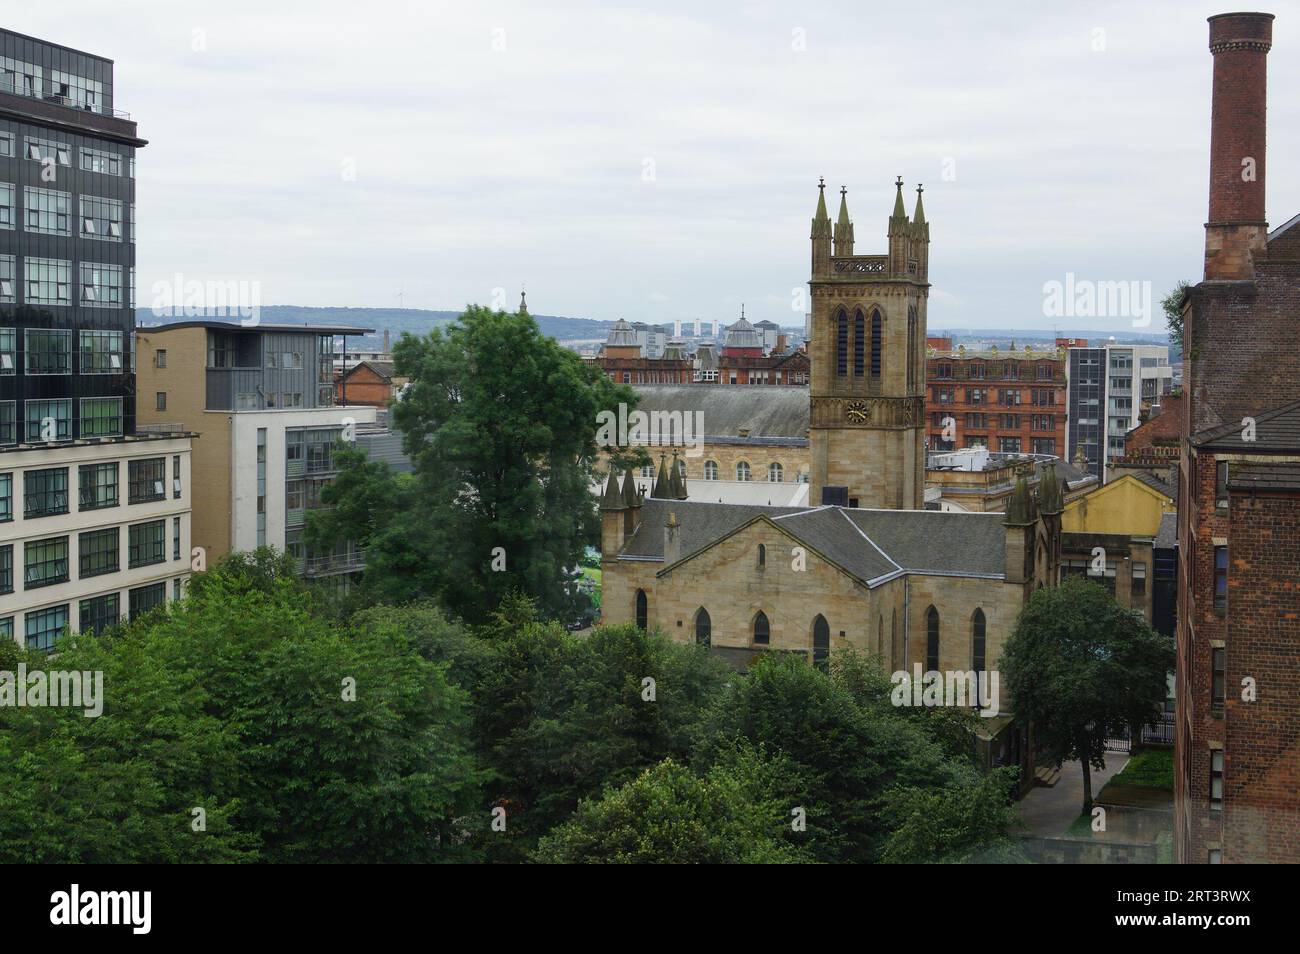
{"type": "Point", "coordinates": [275, 475]}
{"type": "Point", "coordinates": [90, 532]}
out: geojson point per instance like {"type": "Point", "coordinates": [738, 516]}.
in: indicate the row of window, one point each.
{"type": "Point", "coordinates": [49, 351]}
{"type": "Point", "coordinates": [743, 471]}
{"type": "Point", "coordinates": [978, 420]}
{"type": "Point", "coordinates": [52, 420]}
{"type": "Point", "coordinates": [45, 491]}
{"type": "Point", "coordinates": [46, 562]}
{"type": "Point", "coordinates": [57, 153]}
{"type": "Point", "coordinates": [49, 212]}
{"type": "Point", "coordinates": [863, 354]}
{"type": "Point", "coordinates": [996, 370]}
{"type": "Point", "coordinates": [1005, 397]}
{"type": "Point", "coordinates": [95, 614]}
{"type": "Point", "coordinates": [48, 281]}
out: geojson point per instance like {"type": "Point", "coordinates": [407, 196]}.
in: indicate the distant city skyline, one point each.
{"type": "Point", "coordinates": [663, 166]}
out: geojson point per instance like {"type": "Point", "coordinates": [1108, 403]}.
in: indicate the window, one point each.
{"type": "Point", "coordinates": [6, 138]}
{"type": "Point", "coordinates": [96, 160]}
{"type": "Point", "coordinates": [1009, 445]}
{"type": "Point", "coordinates": [8, 349]}
{"type": "Point", "coordinates": [859, 344]}
{"type": "Point", "coordinates": [100, 613]}
{"type": "Point", "coordinates": [877, 354]}
{"type": "Point", "coordinates": [101, 352]}
{"type": "Point", "coordinates": [6, 205]}
{"type": "Point", "coordinates": [1215, 856]}
{"type": "Point", "coordinates": [176, 538]}
{"type": "Point", "coordinates": [8, 283]}
{"type": "Point", "coordinates": [7, 568]}
{"type": "Point", "coordinates": [160, 400]}
{"type": "Point", "coordinates": [47, 211]}
{"type": "Point", "coordinates": [49, 420]}
{"type": "Point", "coordinates": [98, 486]}
{"type": "Point", "coordinates": [821, 643]}
{"type": "Point", "coordinates": [710, 470]}
{"type": "Point", "coordinates": [1221, 484]}
{"type": "Point", "coordinates": [7, 628]}
{"type": "Point", "coordinates": [45, 562]}
{"type": "Point", "coordinates": [160, 358]}
{"type": "Point", "coordinates": [1218, 678]}
{"type": "Point", "coordinates": [97, 552]}
{"type": "Point", "coordinates": [46, 150]}
{"type": "Point", "coordinates": [101, 219]}
{"type": "Point", "coordinates": [978, 644]}
{"type": "Point", "coordinates": [101, 417]}
{"type": "Point", "coordinates": [176, 474]}
{"type": "Point", "coordinates": [932, 640]}
{"type": "Point", "coordinates": [101, 285]}
{"type": "Point", "coordinates": [742, 470]}
{"type": "Point", "coordinates": [145, 480]}
{"type": "Point", "coordinates": [49, 281]}
{"type": "Point", "coordinates": [45, 492]}
{"type": "Point", "coordinates": [762, 631]}
{"type": "Point", "coordinates": [43, 627]}
{"type": "Point", "coordinates": [146, 543]}
{"type": "Point", "coordinates": [142, 599]}
{"type": "Point", "coordinates": [1216, 779]}
{"type": "Point", "coordinates": [703, 628]}
{"type": "Point", "coordinates": [775, 473]}
{"type": "Point", "coordinates": [47, 351]}
{"type": "Point", "coordinates": [6, 497]}
{"type": "Point", "coordinates": [762, 555]}
{"type": "Point", "coordinates": [1138, 580]}
{"type": "Point", "coordinates": [842, 344]}
{"type": "Point", "coordinates": [1220, 578]}
{"type": "Point", "coordinates": [642, 610]}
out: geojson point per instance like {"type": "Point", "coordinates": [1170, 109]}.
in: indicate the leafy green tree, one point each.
{"type": "Point", "coordinates": [500, 424]}
{"type": "Point", "coordinates": [962, 823]}
{"type": "Point", "coordinates": [1171, 304]}
{"type": "Point", "coordinates": [732, 814]}
{"type": "Point", "coordinates": [1082, 669]}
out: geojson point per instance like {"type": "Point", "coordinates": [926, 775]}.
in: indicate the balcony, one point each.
{"type": "Point", "coordinates": [352, 560]}
{"type": "Point", "coordinates": [52, 108]}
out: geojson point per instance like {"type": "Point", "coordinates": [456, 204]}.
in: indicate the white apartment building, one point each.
{"type": "Point", "coordinates": [1106, 389]}
{"type": "Point", "coordinates": [91, 531]}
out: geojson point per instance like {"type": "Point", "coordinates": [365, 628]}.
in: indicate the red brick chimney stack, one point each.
{"type": "Point", "coordinates": [1236, 233]}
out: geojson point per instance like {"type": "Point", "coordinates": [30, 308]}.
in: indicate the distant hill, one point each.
{"type": "Point", "coordinates": [417, 321]}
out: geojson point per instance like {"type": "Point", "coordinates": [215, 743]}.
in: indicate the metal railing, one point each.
{"type": "Point", "coordinates": [65, 101]}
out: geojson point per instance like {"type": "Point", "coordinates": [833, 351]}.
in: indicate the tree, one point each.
{"type": "Point", "coordinates": [1172, 304]}
{"type": "Point", "coordinates": [500, 423]}
{"type": "Point", "coordinates": [732, 814]}
{"type": "Point", "coordinates": [1082, 669]}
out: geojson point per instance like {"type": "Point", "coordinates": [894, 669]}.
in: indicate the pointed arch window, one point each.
{"type": "Point", "coordinates": [821, 643]}
{"type": "Point", "coordinates": [977, 641]}
{"type": "Point", "coordinates": [703, 628]}
{"type": "Point", "coordinates": [911, 349]}
{"type": "Point", "coordinates": [842, 344]}
{"type": "Point", "coordinates": [762, 555]}
{"type": "Point", "coordinates": [859, 343]}
{"type": "Point", "coordinates": [642, 610]}
{"type": "Point", "coordinates": [932, 640]}
{"type": "Point", "coordinates": [762, 631]}
{"type": "Point", "coordinates": [877, 335]}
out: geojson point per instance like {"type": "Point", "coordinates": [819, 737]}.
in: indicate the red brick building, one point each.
{"type": "Point", "coordinates": [1237, 750]}
{"type": "Point", "coordinates": [621, 358]}
{"type": "Point", "coordinates": [1010, 403]}
{"type": "Point", "coordinates": [366, 382]}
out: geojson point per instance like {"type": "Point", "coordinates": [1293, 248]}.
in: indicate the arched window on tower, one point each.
{"type": "Point", "coordinates": [703, 628]}
{"type": "Point", "coordinates": [978, 650]}
{"type": "Point", "coordinates": [877, 334]}
{"type": "Point", "coordinates": [911, 349]}
{"type": "Point", "coordinates": [642, 610]}
{"type": "Point", "coordinates": [932, 640]}
{"type": "Point", "coordinates": [859, 344]}
{"type": "Point", "coordinates": [821, 643]}
{"type": "Point", "coordinates": [762, 632]}
{"type": "Point", "coordinates": [842, 344]}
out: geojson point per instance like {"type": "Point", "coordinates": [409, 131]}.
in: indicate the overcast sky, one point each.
{"type": "Point", "coordinates": [659, 161]}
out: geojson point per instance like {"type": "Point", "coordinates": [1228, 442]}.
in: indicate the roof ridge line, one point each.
{"type": "Point", "coordinates": [869, 540]}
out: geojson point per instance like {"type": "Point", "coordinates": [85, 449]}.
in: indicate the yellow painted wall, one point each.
{"type": "Point", "coordinates": [1126, 507]}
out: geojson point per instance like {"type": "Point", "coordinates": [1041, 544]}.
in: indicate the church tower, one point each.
{"type": "Point", "coordinates": [868, 361]}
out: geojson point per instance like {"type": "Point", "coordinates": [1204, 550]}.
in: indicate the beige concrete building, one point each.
{"type": "Point", "coordinates": [261, 400]}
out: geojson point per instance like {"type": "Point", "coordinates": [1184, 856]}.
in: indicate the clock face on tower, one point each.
{"type": "Point", "coordinates": [857, 412]}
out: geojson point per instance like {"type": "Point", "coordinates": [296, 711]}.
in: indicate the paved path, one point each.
{"type": "Point", "coordinates": [1048, 812]}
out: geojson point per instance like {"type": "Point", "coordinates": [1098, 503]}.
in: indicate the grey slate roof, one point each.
{"type": "Point", "coordinates": [1155, 483]}
{"type": "Point", "coordinates": [868, 544]}
{"type": "Point", "coordinates": [1166, 537]}
{"type": "Point", "coordinates": [773, 411]}
{"type": "Point", "coordinates": [1275, 430]}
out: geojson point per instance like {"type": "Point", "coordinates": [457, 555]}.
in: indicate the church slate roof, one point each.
{"type": "Point", "coordinates": [768, 412]}
{"type": "Point", "coordinates": [870, 545]}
